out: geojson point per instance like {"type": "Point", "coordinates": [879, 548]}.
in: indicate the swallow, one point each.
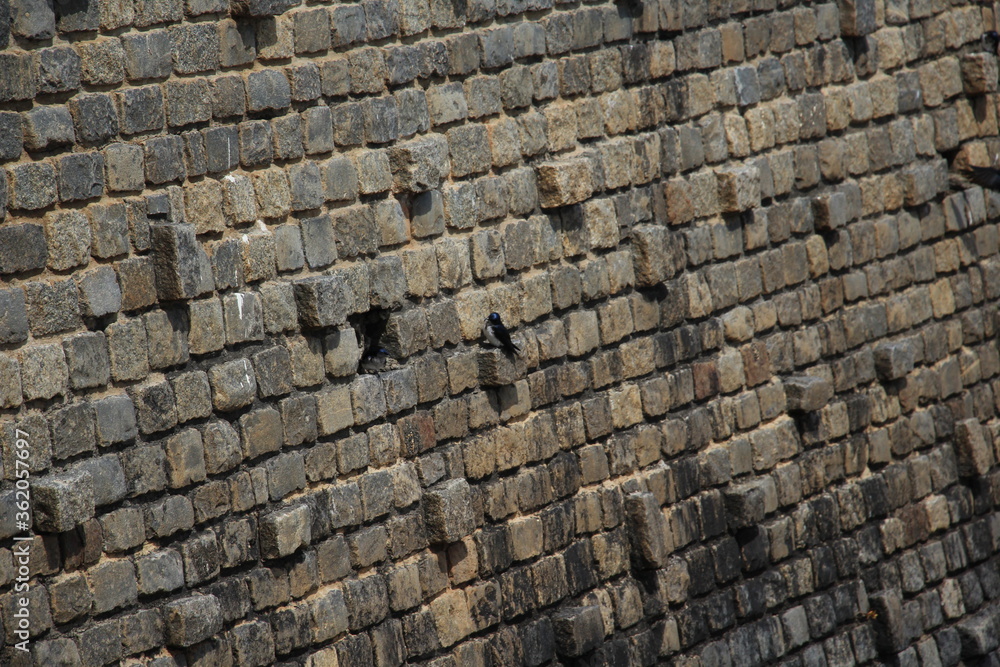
{"type": "Point", "coordinates": [990, 41]}
{"type": "Point", "coordinates": [987, 177]}
{"type": "Point", "coordinates": [374, 360]}
{"type": "Point", "coordinates": [497, 334]}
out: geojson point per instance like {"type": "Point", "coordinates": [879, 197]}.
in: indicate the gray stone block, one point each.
{"type": "Point", "coordinates": [13, 316]}
{"type": "Point", "coordinates": [115, 417]}
{"type": "Point", "coordinates": [87, 360]}
{"type": "Point", "coordinates": [192, 619]}
{"type": "Point", "coordinates": [448, 511]}
{"type": "Point", "coordinates": [147, 55]}
{"type": "Point", "coordinates": [228, 97]}
{"type": "Point", "coordinates": [108, 482]}
{"type": "Point", "coordinates": [22, 248]}
{"type": "Point", "coordinates": [32, 185]}
{"type": "Point", "coordinates": [72, 429]}
{"type": "Point", "coordinates": [194, 47]}
{"type": "Point", "coordinates": [32, 19]}
{"type": "Point", "coordinates": [806, 393]}
{"type": "Point", "coordinates": [321, 301]}
{"type": "Point", "coordinates": [420, 164]}
{"type": "Point", "coordinates": [11, 135]}
{"type": "Point", "coordinates": [233, 385]}
{"type": "Point", "coordinates": [267, 90]}
{"type": "Point", "coordinates": [124, 168]}
{"type": "Point", "coordinates": [164, 159]}
{"type": "Point", "coordinates": [578, 630]}
{"type": "Point", "coordinates": [94, 117]}
{"type": "Point", "coordinates": [43, 371]}
{"type": "Point", "coordinates": [317, 130]}
{"type": "Point", "coordinates": [183, 270]}
{"type": "Point", "coordinates": [52, 307]}
{"type": "Point", "coordinates": [47, 127]}
{"type": "Point", "coordinates": [285, 531]}
{"type": "Point", "coordinates": [62, 501]}
{"type": "Point", "coordinates": [81, 176]}
{"type": "Point", "coordinates": [255, 143]}
{"type": "Point", "coordinates": [319, 240]}
{"type": "Point", "coordinates": [894, 360]}
{"type": "Point", "coordinates": [237, 43]}
{"type": "Point", "coordinates": [154, 407]}
{"type": "Point", "coordinates": [108, 230]}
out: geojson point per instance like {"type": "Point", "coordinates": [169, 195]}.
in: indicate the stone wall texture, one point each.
{"type": "Point", "coordinates": [755, 420]}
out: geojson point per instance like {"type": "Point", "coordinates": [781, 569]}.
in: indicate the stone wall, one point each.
{"type": "Point", "coordinates": [755, 418]}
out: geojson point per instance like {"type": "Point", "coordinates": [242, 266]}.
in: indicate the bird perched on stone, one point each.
{"type": "Point", "coordinates": [987, 177]}
{"type": "Point", "coordinates": [497, 334]}
{"type": "Point", "coordinates": [991, 41]}
{"type": "Point", "coordinates": [374, 360]}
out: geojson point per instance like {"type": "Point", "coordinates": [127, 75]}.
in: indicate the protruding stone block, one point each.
{"type": "Point", "coordinates": [192, 619]}
{"type": "Point", "coordinates": [806, 393]}
{"type": "Point", "coordinates": [647, 530]}
{"type": "Point", "coordinates": [745, 504]}
{"type": "Point", "coordinates": [322, 301]}
{"type": "Point", "coordinates": [498, 368]}
{"type": "Point", "coordinates": [893, 360]}
{"type": "Point", "coordinates": [578, 630]}
{"type": "Point", "coordinates": [183, 270]}
{"type": "Point", "coordinates": [448, 511]}
{"type": "Point", "coordinates": [564, 183]}
{"type": "Point", "coordinates": [975, 454]}
{"type": "Point", "coordinates": [63, 501]}
{"type": "Point", "coordinates": [285, 531]}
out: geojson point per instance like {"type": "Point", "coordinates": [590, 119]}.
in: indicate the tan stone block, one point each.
{"type": "Point", "coordinates": [732, 42]}
{"type": "Point", "coordinates": [333, 410]}
{"type": "Point", "coordinates": [561, 125]}
{"type": "Point", "coordinates": [626, 406]}
{"type": "Point", "coordinates": [451, 617]}
{"type": "Point", "coordinates": [737, 138]}
{"type": "Point", "coordinates": [463, 560]}
{"type": "Point", "coordinates": [760, 128]}
{"type": "Point", "coordinates": [662, 58]}
{"type": "Point", "coordinates": [786, 121]}
{"type": "Point", "coordinates": [203, 206]}
{"type": "Point", "coordinates": [619, 112]}
{"type": "Point", "coordinates": [564, 183]}
{"type": "Point", "coordinates": [582, 332]}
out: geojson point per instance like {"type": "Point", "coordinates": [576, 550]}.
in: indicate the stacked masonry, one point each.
{"type": "Point", "coordinates": [756, 418]}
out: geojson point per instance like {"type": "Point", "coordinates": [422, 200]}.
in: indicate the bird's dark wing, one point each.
{"type": "Point", "coordinates": [504, 337]}
{"type": "Point", "coordinates": [987, 177]}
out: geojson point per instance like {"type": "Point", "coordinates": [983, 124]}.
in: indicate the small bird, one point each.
{"type": "Point", "coordinates": [991, 41]}
{"type": "Point", "coordinates": [987, 177]}
{"type": "Point", "coordinates": [374, 360]}
{"type": "Point", "coordinates": [497, 334]}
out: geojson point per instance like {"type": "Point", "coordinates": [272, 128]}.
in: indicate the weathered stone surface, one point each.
{"type": "Point", "coordinates": [807, 393]}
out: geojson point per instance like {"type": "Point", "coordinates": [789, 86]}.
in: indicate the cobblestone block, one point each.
{"type": "Point", "coordinates": [448, 511]}
{"type": "Point", "coordinates": [22, 248]}
{"type": "Point", "coordinates": [183, 270]}
{"type": "Point", "coordinates": [285, 531]}
{"type": "Point", "coordinates": [893, 360]}
{"type": "Point", "coordinates": [147, 55]}
{"type": "Point", "coordinates": [564, 183]}
{"type": "Point", "coordinates": [974, 454]}
{"type": "Point", "coordinates": [192, 619]}
{"type": "Point", "coordinates": [420, 164]}
{"type": "Point", "coordinates": [807, 393]}
{"type": "Point", "coordinates": [32, 185]}
{"type": "Point", "coordinates": [321, 301]}
{"type": "Point", "coordinates": [63, 501]}
{"type": "Point", "coordinates": [233, 384]}
{"type": "Point", "coordinates": [44, 128]}
{"type": "Point", "coordinates": [577, 630]}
